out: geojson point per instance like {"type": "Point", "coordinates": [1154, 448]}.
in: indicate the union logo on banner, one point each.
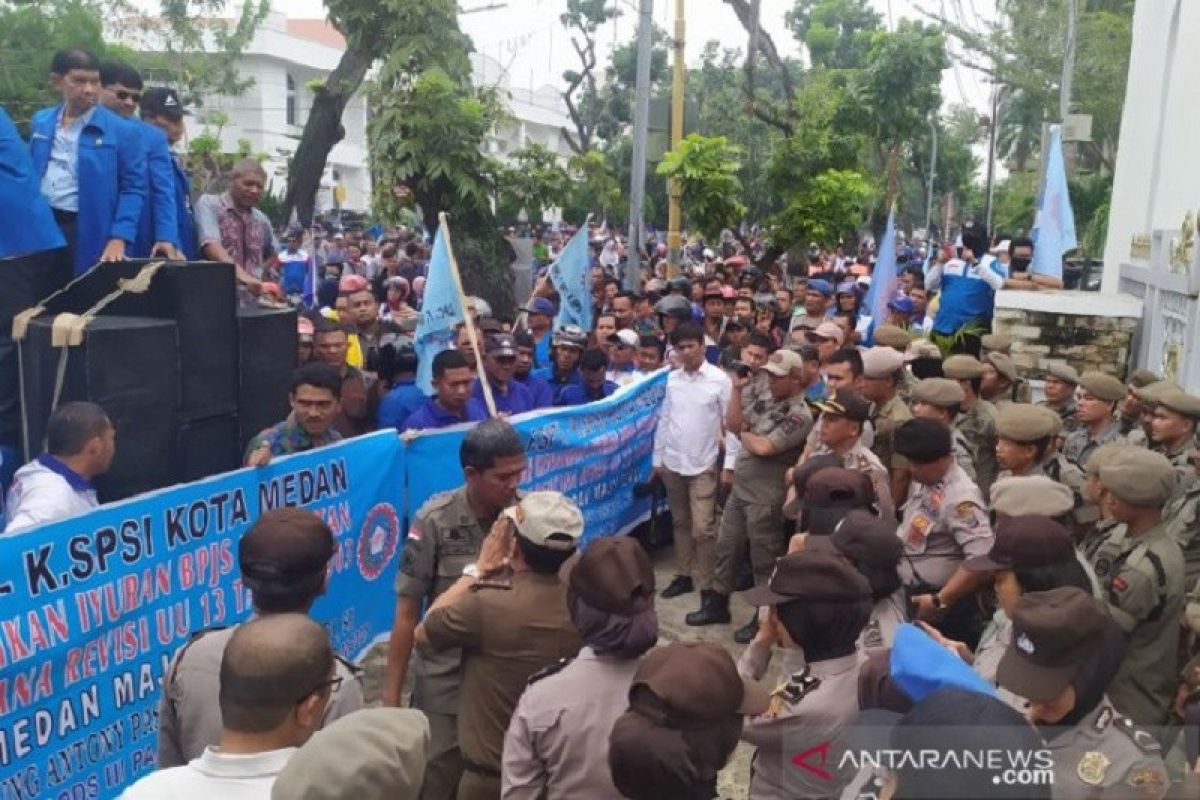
{"type": "Point", "coordinates": [378, 539]}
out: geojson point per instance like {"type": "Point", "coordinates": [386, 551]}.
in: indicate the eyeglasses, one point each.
{"type": "Point", "coordinates": [333, 684]}
{"type": "Point", "coordinates": [124, 95]}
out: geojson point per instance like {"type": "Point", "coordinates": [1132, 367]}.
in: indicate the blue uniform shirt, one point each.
{"type": "Point", "coordinates": [517, 400]}
{"type": "Point", "coordinates": [159, 221]}
{"type": "Point", "coordinates": [401, 401]}
{"type": "Point", "coordinates": [540, 388]}
{"type": "Point", "coordinates": [541, 352]}
{"type": "Point", "coordinates": [968, 293]}
{"type": "Point", "coordinates": [26, 223]}
{"type": "Point", "coordinates": [432, 416]}
{"type": "Point", "coordinates": [558, 382]}
{"type": "Point", "coordinates": [579, 394]}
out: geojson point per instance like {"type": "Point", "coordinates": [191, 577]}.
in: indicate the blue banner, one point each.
{"type": "Point", "coordinates": [1054, 225]}
{"type": "Point", "coordinates": [441, 311]}
{"type": "Point", "coordinates": [595, 454]}
{"type": "Point", "coordinates": [94, 607]}
{"type": "Point", "coordinates": [571, 275]}
{"type": "Point", "coordinates": [885, 281]}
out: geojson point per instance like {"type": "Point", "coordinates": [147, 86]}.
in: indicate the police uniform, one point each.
{"type": "Point", "coordinates": [754, 511]}
{"type": "Point", "coordinates": [189, 716]}
{"type": "Point", "coordinates": [1079, 444]}
{"type": "Point", "coordinates": [445, 536]}
{"type": "Point", "coordinates": [1106, 756]}
{"type": "Point", "coordinates": [860, 459]}
{"type": "Point", "coordinates": [1066, 413]}
{"type": "Point", "coordinates": [885, 417]}
{"type": "Point", "coordinates": [993, 643]}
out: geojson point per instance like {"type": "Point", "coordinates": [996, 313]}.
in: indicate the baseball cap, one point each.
{"type": "Point", "coordinates": [1023, 541]}
{"type": "Point", "coordinates": [783, 363]}
{"type": "Point", "coordinates": [698, 681]}
{"type": "Point", "coordinates": [881, 362]}
{"type": "Point", "coordinates": [1054, 633]}
{"type": "Point", "coordinates": [570, 336]}
{"type": "Point", "coordinates": [820, 285]}
{"type": "Point", "coordinates": [548, 519]}
{"type": "Point", "coordinates": [625, 338]}
{"type": "Point", "coordinates": [922, 440]}
{"type": "Point", "coordinates": [286, 550]}
{"type": "Point", "coordinates": [162, 101]}
{"type": "Point", "coordinates": [903, 304]}
{"type": "Point", "coordinates": [870, 542]}
{"type": "Point", "coordinates": [613, 574]}
{"type": "Point", "coordinates": [846, 403]}
{"type": "Point", "coordinates": [1102, 386]}
{"type": "Point", "coordinates": [810, 575]}
{"type": "Point", "coordinates": [501, 344]}
{"type": "Point", "coordinates": [1031, 494]}
{"type": "Point", "coordinates": [373, 752]}
{"type": "Point", "coordinates": [1139, 477]}
{"type": "Point", "coordinates": [826, 330]}
{"type": "Point", "coordinates": [540, 305]}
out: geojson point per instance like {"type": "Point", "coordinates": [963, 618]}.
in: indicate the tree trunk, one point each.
{"type": "Point", "coordinates": [322, 131]}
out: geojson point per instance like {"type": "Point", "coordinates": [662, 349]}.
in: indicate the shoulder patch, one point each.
{"type": "Point", "coordinates": [1145, 742]}
{"type": "Point", "coordinates": [791, 691]}
{"type": "Point", "coordinates": [1150, 780]}
{"type": "Point", "coordinates": [967, 511]}
{"type": "Point", "coordinates": [547, 671]}
{"type": "Point", "coordinates": [439, 500]}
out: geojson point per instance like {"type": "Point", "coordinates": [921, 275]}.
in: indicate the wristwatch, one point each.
{"type": "Point", "coordinates": [471, 570]}
{"type": "Point", "coordinates": [937, 600]}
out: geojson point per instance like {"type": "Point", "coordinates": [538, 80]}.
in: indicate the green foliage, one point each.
{"type": "Point", "coordinates": [836, 33]}
{"type": "Point", "coordinates": [594, 189]}
{"type": "Point", "coordinates": [583, 19]}
{"type": "Point", "coordinates": [706, 168]}
{"type": "Point", "coordinates": [900, 84]}
{"type": "Point", "coordinates": [534, 180]}
{"type": "Point", "coordinates": [208, 162]}
{"type": "Point", "coordinates": [826, 212]}
{"type": "Point", "coordinates": [1015, 204]}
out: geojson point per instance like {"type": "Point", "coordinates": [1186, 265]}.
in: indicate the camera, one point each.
{"type": "Point", "coordinates": [741, 368]}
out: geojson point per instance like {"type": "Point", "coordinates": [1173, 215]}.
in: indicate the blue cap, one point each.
{"type": "Point", "coordinates": [921, 666]}
{"type": "Point", "coordinates": [846, 287]}
{"type": "Point", "coordinates": [903, 304]}
{"type": "Point", "coordinates": [819, 285]}
{"type": "Point", "coordinates": [540, 305]}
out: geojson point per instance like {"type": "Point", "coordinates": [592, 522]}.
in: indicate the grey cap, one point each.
{"type": "Point", "coordinates": [1064, 372]}
{"type": "Point", "coordinates": [1139, 477]}
{"type": "Point", "coordinates": [1102, 386]}
{"type": "Point", "coordinates": [1030, 494]}
{"type": "Point", "coordinates": [1023, 422]}
{"type": "Point", "coordinates": [938, 392]}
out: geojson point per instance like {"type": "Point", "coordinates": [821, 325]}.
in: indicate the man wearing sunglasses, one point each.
{"type": "Point", "coordinates": [284, 560]}
{"type": "Point", "coordinates": [277, 675]}
{"type": "Point", "coordinates": [158, 226]}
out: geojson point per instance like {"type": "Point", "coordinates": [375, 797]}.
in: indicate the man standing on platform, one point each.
{"type": "Point", "coordinates": [91, 164]}
{"type": "Point", "coordinates": [162, 108]}
{"type": "Point", "coordinates": [233, 230]}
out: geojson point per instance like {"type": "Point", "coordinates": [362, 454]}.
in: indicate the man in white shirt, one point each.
{"type": "Point", "coordinates": [80, 445]}
{"type": "Point", "coordinates": [687, 448]}
{"type": "Point", "coordinates": [276, 677]}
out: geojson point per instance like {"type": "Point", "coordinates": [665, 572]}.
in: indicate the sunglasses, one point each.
{"type": "Point", "coordinates": [124, 95]}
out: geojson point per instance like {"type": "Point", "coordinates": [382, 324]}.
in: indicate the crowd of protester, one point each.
{"type": "Point", "coordinates": [936, 562]}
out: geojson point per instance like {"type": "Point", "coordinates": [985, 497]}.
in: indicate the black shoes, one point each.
{"type": "Point", "coordinates": [681, 584]}
{"type": "Point", "coordinates": [746, 633]}
{"type": "Point", "coordinates": [714, 609]}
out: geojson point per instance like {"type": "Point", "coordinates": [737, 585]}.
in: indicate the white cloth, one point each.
{"type": "Point", "coordinates": [692, 422]}
{"type": "Point", "coordinates": [214, 775]}
{"type": "Point", "coordinates": [45, 490]}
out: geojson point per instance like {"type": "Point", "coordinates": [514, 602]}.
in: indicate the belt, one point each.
{"type": "Point", "coordinates": [480, 769]}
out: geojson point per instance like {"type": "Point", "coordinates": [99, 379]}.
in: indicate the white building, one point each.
{"type": "Point", "coordinates": [537, 115]}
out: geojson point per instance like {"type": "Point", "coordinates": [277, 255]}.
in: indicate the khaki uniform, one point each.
{"type": "Point", "coordinates": [1181, 517]}
{"type": "Point", "coordinates": [978, 426]}
{"type": "Point", "coordinates": [1106, 757]}
{"type": "Point", "coordinates": [1079, 444]}
{"type": "Point", "coordinates": [754, 510]}
{"type": "Point", "coordinates": [1179, 458]}
{"type": "Point", "coordinates": [506, 634]}
{"type": "Point", "coordinates": [445, 537]}
{"type": "Point", "coordinates": [886, 418]}
{"type": "Point", "coordinates": [964, 451]}
{"type": "Point", "coordinates": [557, 742]}
{"type": "Point", "coordinates": [189, 717]}
{"type": "Point", "coordinates": [1066, 412]}
{"type": "Point", "coordinates": [860, 459]}
{"type": "Point", "coordinates": [806, 321]}
{"type": "Point", "coordinates": [1142, 580]}
{"type": "Point", "coordinates": [810, 708]}
{"type": "Point", "coordinates": [904, 391]}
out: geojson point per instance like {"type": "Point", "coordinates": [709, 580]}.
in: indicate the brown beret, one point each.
{"type": "Point", "coordinates": [892, 336]}
{"type": "Point", "coordinates": [1152, 391]}
{"type": "Point", "coordinates": [1143, 377]}
{"type": "Point", "coordinates": [922, 348]}
{"type": "Point", "coordinates": [1064, 372]}
{"type": "Point", "coordinates": [1101, 455]}
{"type": "Point", "coordinates": [1022, 422]}
{"type": "Point", "coordinates": [1140, 477]}
{"type": "Point", "coordinates": [938, 392]}
{"type": "Point", "coordinates": [1003, 364]}
{"type": "Point", "coordinates": [996, 342]}
{"type": "Point", "coordinates": [962, 367]}
{"type": "Point", "coordinates": [1181, 403]}
{"type": "Point", "coordinates": [1030, 494]}
{"type": "Point", "coordinates": [1102, 386]}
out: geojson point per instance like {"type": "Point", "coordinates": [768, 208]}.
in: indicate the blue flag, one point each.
{"type": "Point", "coordinates": [441, 312]}
{"type": "Point", "coordinates": [884, 280]}
{"type": "Point", "coordinates": [570, 274]}
{"type": "Point", "coordinates": [1054, 225]}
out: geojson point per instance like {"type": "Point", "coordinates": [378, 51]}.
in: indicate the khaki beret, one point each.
{"type": "Point", "coordinates": [374, 752]}
{"type": "Point", "coordinates": [1181, 403]}
{"type": "Point", "coordinates": [962, 367]}
{"type": "Point", "coordinates": [1140, 477]}
{"type": "Point", "coordinates": [1003, 364]}
{"type": "Point", "coordinates": [1152, 391]}
{"type": "Point", "coordinates": [996, 342]}
{"type": "Point", "coordinates": [1023, 422]}
{"type": "Point", "coordinates": [1143, 377]}
{"type": "Point", "coordinates": [922, 348]}
{"type": "Point", "coordinates": [880, 362]}
{"type": "Point", "coordinates": [1100, 456]}
{"type": "Point", "coordinates": [892, 336]}
{"type": "Point", "coordinates": [1064, 372]}
{"type": "Point", "coordinates": [938, 392]}
{"type": "Point", "coordinates": [1102, 386]}
{"type": "Point", "coordinates": [1031, 494]}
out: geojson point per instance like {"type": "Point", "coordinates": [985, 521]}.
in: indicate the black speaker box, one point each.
{"type": "Point", "coordinates": [201, 297]}
{"type": "Point", "coordinates": [266, 360]}
{"type": "Point", "coordinates": [129, 367]}
{"type": "Point", "coordinates": [207, 447]}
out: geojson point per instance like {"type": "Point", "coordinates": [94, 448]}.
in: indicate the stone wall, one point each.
{"type": "Point", "coordinates": [1087, 330]}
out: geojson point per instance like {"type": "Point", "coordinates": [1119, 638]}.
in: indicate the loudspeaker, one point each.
{"type": "Point", "coordinates": [201, 297]}
{"type": "Point", "coordinates": [267, 343]}
{"type": "Point", "coordinates": [207, 447]}
{"type": "Point", "coordinates": [128, 366]}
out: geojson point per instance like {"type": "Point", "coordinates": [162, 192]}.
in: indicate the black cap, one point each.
{"type": "Point", "coordinates": [286, 550]}
{"type": "Point", "coordinates": [162, 101]}
{"type": "Point", "coordinates": [846, 403]}
{"type": "Point", "coordinates": [810, 575]}
{"type": "Point", "coordinates": [867, 540]}
{"type": "Point", "coordinates": [1025, 541]}
{"type": "Point", "coordinates": [922, 440]}
{"type": "Point", "coordinates": [830, 494]}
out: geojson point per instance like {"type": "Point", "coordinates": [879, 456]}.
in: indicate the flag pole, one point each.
{"type": "Point", "coordinates": [462, 301]}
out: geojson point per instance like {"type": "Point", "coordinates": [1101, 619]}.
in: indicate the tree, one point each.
{"type": "Point", "coordinates": [595, 188]}
{"type": "Point", "coordinates": [706, 168]}
{"type": "Point", "coordinates": [615, 99]}
{"type": "Point", "coordinates": [534, 180]}
{"type": "Point", "coordinates": [583, 18]}
{"type": "Point", "coordinates": [827, 212]}
{"type": "Point", "coordinates": [835, 33]}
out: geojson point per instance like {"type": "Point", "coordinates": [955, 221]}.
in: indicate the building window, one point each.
{"type": "Point", "coordinates": [291, 99]}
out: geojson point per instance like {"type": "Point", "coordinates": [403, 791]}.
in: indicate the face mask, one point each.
{"type": "Point", "coordinates": [1021, 264]}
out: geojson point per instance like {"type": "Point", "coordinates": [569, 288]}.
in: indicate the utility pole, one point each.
{"type": "Point", "coordinates": [637, 182]}
{"type": "Point", "coordinates": [933, 129]}
{"type": "Point", "coordinates": [675, 211]}
{"type": "Point", "coordinates": [991, 166]}
{"type": "Point", "coordinates": [1068, 69]}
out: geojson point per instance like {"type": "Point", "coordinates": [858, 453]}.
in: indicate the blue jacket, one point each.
{"type": "Point", "coordinates": [112, 178]}
{"type": "Point", "coordinates": [159, 218]}
{"type": "Point", "coordinates": [431, 416]}
{"type": "Point", "coordinates": [399, 404]}
{"type": "Point", "coordinates": [185, 216]}
{"type": "Point", "coordinates": [26, 222]}
{"type": "Point", "coordinates": [577, 394]}
{"type": "Point", "coordinates": [543, 393]}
